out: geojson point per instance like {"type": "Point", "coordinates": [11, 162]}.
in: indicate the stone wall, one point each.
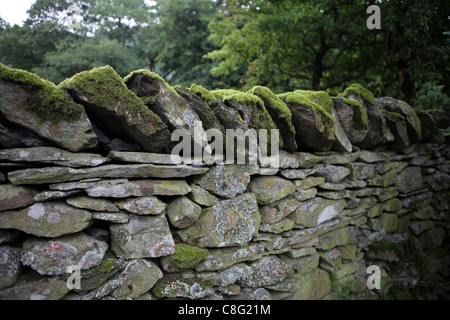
{"type": "Point", "coordinates": [86, 182]}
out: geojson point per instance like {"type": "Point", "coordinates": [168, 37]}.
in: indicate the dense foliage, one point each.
{"type": "Point", "coordinates": [284, 45]}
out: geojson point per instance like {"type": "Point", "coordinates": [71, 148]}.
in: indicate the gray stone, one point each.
{"type": "Point", "coordinates": [186, 285]}
{"type": "Point", "coordinates": [201, 196]}
{"type": "Point", "coordinates": [316, 211]}
{"type": "Point", "coordinates": [342, 142]}
{"type": "Point", "coordinates": [269, 189]}
{"type": "Point", "coordinates": [297, 173]}
{"type": "Point", "coordinates": [226, 181]}
{"type": "Point", "coordinates": [54, 195]}
{"type": "Point", "coordinates": [140, 188]}
{"type": "Point", "coordinates": [114, 217]}
{"type": "Point", "coordinates": [409, 180]}
{"type": "Point", "coordinates": [224, 257]}
{"type": "Point", "coordinates": [278, 210]}
{"type": "Point", "coordinates": [137, 277]}
{"type": "Point", "coordinates": [351, 120]}
{"type": "Point", "coordinates": [83, 202]}
{"type": "Point", "coordinates": [142, 237]}
{"type": "Point", "coordinates": [63, 174]}
{"type": "Point", "coordinates": [15, 197]}
{"type": "Point", "coordinates": [182, 212]}
{"type": "Point", "coordinates": [30, 288]}
{"type": "Point", "coordinates": [332, 173]}
{"type": "Point", "coordinates": [9, 266]}
{"type": "Point", "coordinates": [52, 257]}
{"type": "Point", "coordinates": [52, 155]}
{"type": "Point", "coordinates": [360, 170]}
{"type": "Point", "coordinates": [339, 237]}
{"type": "Point", "coordinates": [227, 223]}
{"type": "Point", "coordinates": [149, 205]}
{"type": "Point", "coordinates": [308, 183]}
{"type": "Point", "coordinates": [144, 157]}
{"type": "Point", "coordinates": [297, 160]}
{"type": "Point", "coordinates": [48, 219]}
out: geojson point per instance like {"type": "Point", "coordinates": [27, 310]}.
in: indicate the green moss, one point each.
{"type": "Point", "coordinates": [104, 87]}
{"type": "Point", "coordinates": [186, 257]}
{"type": "Point", "coordinates": [106, 265]}
{"type": "Point", "coordinates": [360, 120]}
{"type": "Point", "coordinates": [418, 124]}
{"type": "Point", "coordinates": [320, 97]}
{"type": "Point", "coordinates": [203, 93]}
{"type": "Point", "coordinates": [46, 100]}
{"type": "Point", "coordinates": [392, 116]}
{"type": "Point", "coordinates": [299, 97]}
{"type": "Point", "coordinates": [152, 75]}
{"type": "Point", "coordinates": [359, 91]}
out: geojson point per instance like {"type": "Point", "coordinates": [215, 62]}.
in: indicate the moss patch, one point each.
{"type": "Point", "coordinates": [320, 97]}
{"type": "Point", "coordinates": [152, 75]}
{"type": "Point", "coordinates": [203, 93]}
{"type": "Point", "coordinates": [185, 257]}
{"type": "Point", "coordinates": [46, 100]}
{"type": "Point", "coordinates": [392, 116]}
{"type": "Point", "coordinates": [360, 120]}
{"type": "Point", "coordinates": [299, 97]}
{"type": "Point", "coordinates": [104, 87]}
{"type": "Point", "coordinates": [359, 91]}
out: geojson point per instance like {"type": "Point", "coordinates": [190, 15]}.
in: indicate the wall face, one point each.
{"type": "Point", "coordinates": [92, 205]}
{"type": "Point", "coordinates": [308, 232]}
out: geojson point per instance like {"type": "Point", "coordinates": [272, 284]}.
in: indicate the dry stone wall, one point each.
{"type": "Point", "coordinates": [93, 187]}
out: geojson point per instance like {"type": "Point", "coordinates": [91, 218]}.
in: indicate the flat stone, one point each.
{"type": "Point", "coordinates": [359, 170]}
{"type": "Point", "coordinates": [342, 142]}
{"type": "Point", "coordinates": [54, 195]}
{"type": "Point", "coordinates": [63, 174]}
{"type": "Point", "coordinates": [48, 219]}
{"type": "Point", "coordinates": [222, 258]}
{"type": "Point", "coordinates": [297, 173]}
{"type": "Point", "coordinates": [149, 205]}
{"type": "Point", "coordinates": [302, 195]}
{"type": "Point", "coordinates": [142, 237]}
{"type": "Point", "coordinates": [15, 197]}
{"type": "Point", "coordinates": [339, 237]}
{"type": "Point", "coordinates": [269, 189]}
{"type": "Point", "coordinates": [311, 286]}
{"type": "Point", "coordinates": [227, 223]}
{"type": "Point", "coordinates": [332, 173]}
{"type": "Point", "coordinates": [226, 181]}
{"type": "Point", "coordinates": [297, 160]}
{"type": "Point", "coordinates": [308, 183]}
{"type": "Point", "coordinates": [144, 157]}
{"type": "Point", "coordinates": [53, 156]}
{"type": "Point", "coordinates": [30, 288]}
{"type": "Point", "coordinates": [52, 257]}
{"type": "Point", "coordinates": [140, 188]}
{"type": "Point", "coordinates": [85, 184]}
{"type": "Point", "coordinates": [95, 204]}
{"type": "Point", "coordinates": [113, 217]}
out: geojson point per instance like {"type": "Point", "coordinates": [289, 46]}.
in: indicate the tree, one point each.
{"type": "Point", "coordinates": [182, 40]}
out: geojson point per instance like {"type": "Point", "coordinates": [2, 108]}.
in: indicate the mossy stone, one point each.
{"type": "Point", "coordinates": [280, 114]}
{"type": "Point", "coordinates": [360, 92]}
{"type": "Point", "coordinates": [185, 257]}
{"type": "Point", "coordinates": [109, 101]}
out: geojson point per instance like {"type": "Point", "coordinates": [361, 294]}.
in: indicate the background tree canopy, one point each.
{"type": "Point", "coordinates": [285, 45]}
